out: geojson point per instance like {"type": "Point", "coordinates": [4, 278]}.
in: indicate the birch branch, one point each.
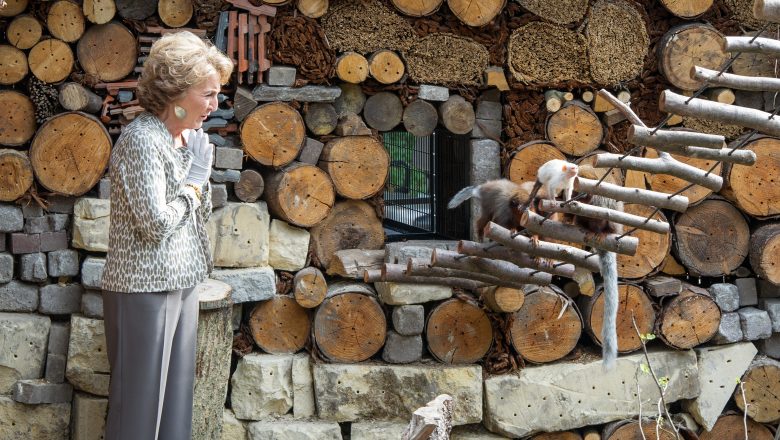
{"type": "Point", "coordinates": [767, 46]}
{"type": "Point", "coordinates": [639, 135]}
{"type": "Point", "coordinates": [421, 267]}
{"type": "Point", "coordinates": [742, 157]}
{"type": "Point", "coordinates": [664, 164]}
{"type": "Point", "coordinates": [631, 195]}
{"type": "Point", "coordinates": [395, 274]}
{"type": "Point", "coordinates": [739, 82]}
{"type": "Point", "coordinates": [504, 270]}
{"type": "Point", "coordinates": [574, 234]}
{"type": "Point", "coordinates": [521, 259]}
{"type": "Point", "coordinates": [612, 215]}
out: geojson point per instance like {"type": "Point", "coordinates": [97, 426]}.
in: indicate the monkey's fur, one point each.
{"type": "Point", "coordinates": [499, 201]}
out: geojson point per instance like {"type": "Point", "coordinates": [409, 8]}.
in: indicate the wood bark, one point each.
{"type": "Point", "coordinates": [573, 234]}
{"type": "Point", "coordinates": [280, 325]}
{"type": "Point", "coordinates": [632, 195]}
{"type": "Point", "coordinates": [502, 299]}
{"type": "Point", "coordinates": [633, 303]}
{"type": "Point", "coordinates": [313, 8]}
{"type": "Point", "coordinates": [521, 259]}
{"type": "Point", "coordinates": [739, 82]}
{"type": "Point", "coordinates": [70, 153]}
{"type": "Point", "coordinates": [399, 273]}
{"type": "Point", "coordinates": [351, 224]}
{"type": "Point", "coordinates": [762, 386]}
{"type": "Point", "coordinates": [431, 422]}
{"type": "Point", "coordinates": [13, 7]}
{"type": "Point", "coordinates": [591, 211]}
{"type": "Point", "coordinates": [309, 287]}
{"type": "Point", "coordinates": [99, 11]}
{"type": "Point", "coordinates": [652, 250]}
{"type": "Point", "coordinates": [51, 61]}
{"type": "Point", "coordinates": [352, 67]}
{"type": "Point", "coordinates": [299, 193]}
{"type": "Point", "coordinates": [108, 51]}
{"type": "Point", "coordinates": [250, 186]}
{"type": "Point", "coordinates": [136, 9]}
{"type": "Point", "coordinates": [383, 111]}
{"type": "Point", "coordinates": [351, 263]}
{"type": "Point", "coordinates": [424, 268]}
{"type": "Point", "coordinates": [351, 100]}
{"type": "Point", "coordinates": [420, 118]}
{"type": "Point", "coordinates": [765, 252]}
{"type": "Point", "coordinates": [175, 13]}
{"type": "Point", "coordinates": [457, 115]}
{"type": "Point", "coordinates": [688, 45]}
{"type": "Point", "coordinates": [476, 13]}
{"type": "Point", "coordinates": [662, 165]}
{"type": "Point", "coordinates": [575, 129]}
{"type": "Point", "coordinates": [712, 238]}
{"type": "Point", "coordinates": [748, 184]}
{"type": "Point", "coordinates": [349, 325]}
{"type": "Point", "coordinates": [669, 184]}
{"type": "Point", "coordinates": [417, 8]}
{"type": "Point", "coordinates": [732, 427]}
{"type": "Point", "coordinates": [527, 158]}
{"type": "Point", "coordinates": [320, 118]}
{"type": "Point", "coordinates": [65, 21]}
{"type": "Point", "coordinates": [498, 268]}
{"type": "Point", "coordinates": [75, 97]}
{"type": "Point", "coordinates": [16, 174]}
{"type": "Point", "coordinates": [24, 32]}
{"type": "Point", "coordinates": [273, 134]}
{"type": "Point", "coordinates": [641, 135]}
{"type": "Point", "coordinates": [386, 66]}
{"type": "Point", "coordinates": [687, 9]}
{"type": "Point", "coordinates": [689, 319]}
{"type": "Point", "coordinates": [358, 165]}
{"type": "Point", "coordinates": [17, 114]}
{"type": "Point", "coordinates": [767, 46]}
{"type": "Point", "coordinates": [448, 340]}
{"type": "Point", "coordinates": [537, 333]}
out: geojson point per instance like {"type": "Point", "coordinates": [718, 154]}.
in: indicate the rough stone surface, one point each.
{"type": "Point", "coordinates": [768, 290]}
{"type": "Point", "coordinates": [303, 387]}
{"type": "Point", "coordinates": [558, 397]}
{"type": "Point", "coordinates": [236, 318]}
{"type": "Point", "coordinates": [771, 346]}
{"type": "Point", "coordinates": [748, 291]}
{"type": "Point", "coordinates": [490, 110]}
{"type": "Point", "coordinates": [24, 243]}
{"type": "Point", "coordinates": [6, 268]}
{"type": "Point", "coordinates": [31, 210]}
{"type": "Point", "coordinates": [58, 222]}
{"type": "Point", "coordinates": [377, 430]}
{"type": "Point", "coordinates": [88, 368]}
{"type": "Point", "coordinates": [61, 204]}
{"type": "Point", "coordinates": [281, 76]}
{"type": "Point", "coordinates": [400, 349]}
{"type": "Point", "coordinates": [63, 263]}
{"type": "Point", "coordinates": [348, 392]}
{"type": "Point", "coordinates": [288, 246]}
{"type": "Point", "coordinates": [91, 218]}
{"type": "Point", "coordinates": [11, 218]}
{"type": "Point", "coordinates": [239, 235]}
{"type": "Point", "coordinates": [219, 196]}
{"type": "Point", "coordinates": [726, 296]}
{"type": "Point", "coordinates": [228, 158]}
{"type": "Point", "coordinates": [32, 267]}
{"type": "Point", "coordinates": [250, 284]}
{"type": "Point", "coordinates": [53, 241]}
{"type": "Point", "coordinates": [485, 165]}
{"type": "Point", "coordinates": [18, 297]}
{"type": "Point", "coordinates": [232, 428]}
{"type": "Point", "coordinates": [36, 225]}
{"type": "Point", "coordinates": [23, 353]}
{"type": "Point", "coordinates": [60, 299]}
{"type": "Point", "coordinates": [294, 430]}
{"type": "Point", "coordinates": [409, 320]}
{"type": "Point", "coordinates": [311, 151]}
{"type": "Point", "coordinates": [264, 93]}
{"type": "Point", "coordinates": [92, 209]}
{"type": "Point", "coordinates": [36, 391]}
{"type": "Point", "coordinates": [222, 176]}
{"type": "Point", "coordinates": [398, 294]}
{"type": "Point", "coordinates": [59, 337]}
{"type": "Point", "coordinates": [19, 421]}
{"type": "Point", "coordinates": [729, 329]}
{"type": "Point", "coordinates": [92, 272]}
{"type": "Point", "coordinates": [486, 129]}
{"type": "Point", "coordinates": [92, 304]}
{"type": "Point", "coordinates": [400, 252]}
{"type": "Point", "coordinates": [433, 93]}
{"type": "Point", "coordinates": [55, 368]}
{"type": "Point", "coordinates": [772, 307]}
{"type": "Point", "coordinates": [718, 367]}
{"type": "Point", "coordinates": [104, 188]}
{"type": "Point", "coordinates": [755, 323]}
{"type": "Point", "coordinates": [89, 417]}
{"type": "Point", "coordinates": [262, 386]}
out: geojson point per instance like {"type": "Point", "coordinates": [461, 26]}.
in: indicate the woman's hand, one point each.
{"type": "Point", "coordinates": [202, 157]}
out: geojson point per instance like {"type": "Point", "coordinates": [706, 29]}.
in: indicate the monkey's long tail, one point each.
{"type": "Point", "coordinates": [462, 195]}
{"type": "Point", "coordinates": [608, 266]}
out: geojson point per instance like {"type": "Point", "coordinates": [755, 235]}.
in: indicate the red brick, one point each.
{"type": "Point", "coordinates": [25, 243]}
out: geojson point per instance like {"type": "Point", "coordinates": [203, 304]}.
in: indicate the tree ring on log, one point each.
{"type": "Point", "coordinates": [527, 158]}
{"type": "Point", "coordinates": [689, 45]}
{"type": "Point", "coordinates": [51, 60]}
{"type": "Point", "coordinates": [634, 303]}
{"type": "Point", "coordinates": [349, 327]}
{"type": "Point", "coordinates": [458, 332]}
{"type": "Point", "coordinates": [273, 134]}
{"type": "Point", "coordinates": [652, 250]}
{"type": "Point", "coordinates": [16, 174]}
{"type": "Point", "coordinates": [107, 51]}
{"type": "Point", "coordinates": [537, 334]}
{"type": "Point", "coordinates": [280, 325]}
{"type": "Point", "coordinates": [17, 115]}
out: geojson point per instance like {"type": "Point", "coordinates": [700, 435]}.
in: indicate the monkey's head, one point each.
{"type": "Point", "coordinates": [570, 170]}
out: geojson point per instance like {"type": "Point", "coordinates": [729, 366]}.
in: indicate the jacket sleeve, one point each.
{"type": "Point", "coordinates": [140, 174]}
{"type": "Point", "coordinates": [205, 204]}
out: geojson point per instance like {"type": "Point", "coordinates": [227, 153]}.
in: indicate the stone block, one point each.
{"type": "Point", "coordinates": [726, 296]}
{"type": "Point", "coordinates": [729, 329]}
{"type": "Point", "coordinates": [281, 76]}
{"type": "Point", "coordinates": [23, 353]}
{"type": "Point", "coordinates": [58, 222]}
{"type": "Point", "coordinates": [19, 421]}
{"type": "Point", "coordinates": [219, 195]}
{"type": "Point", "coordinates": [32, 267]}
{"type": "Point", "coordinates": [228, 158]}
{"type": "Point", "coordinates": [660, 286]}
{"type": "Point", "coordinates": [6, 268]}
{"type": "Point", "coordinates": [310, 153]}
{"type": "Point", "coordinates": [377, 430]}
{"type": "Point", "coordinates": [232, 428]}
{"type": "Point", "coordinates": [772, 308]}
{"type": "Point", "coordinates": [36, 225]}
{"type": "Point", "coordinates": [267, 93]}
{"type": "Point", "coordinates": [3, 241]}
{"type": "Point", "coordinates": [768, 290]}
{"type": "Point", "coordinates": [104, 188]}
{"type": "Point", "coordinates": [562, 396]}
{"type": "Point", "coordinates": [17, 296]}
{"type": "Point", "coordinates": [748, 291]}
{"type": "Point", "coordinates": [87, 367]}
{"type": "Point", "coordinates": [54, 241]}
{"type": "Point", "coordinates": [771, 346]}
{"type": "Point", "coordinates": [91, 220]}
{"type": "Point", "coordinates": [718, 367]}
{"type": "Point", "coordinates": [755, 323]}
{"type": "Point", "coordinates": [92, 304]}
{"type": "Point", "coordinates": [222, 176]}
{"type": "Point", "coordinates": [92, 272]}
{"type": "Point", "coordinates": [433, 93]}
{"type": "Point", "coordinates": [92, 209]}
{"type": "Point", "coordinates": [30, 210]}
{"type": "Point", "coordinates": [250, 284]}
{"type": "Point", "coordinates": [24, 243]}
{"type": "Point", "coordinates": [89, 417]}
{"type": "Point", "coordinates": [294, 430]}
{"type": "Point", "coordinates": [59, 337]}
{"type": "Point", "coordinates": [409, 320]}
{"type": "Point", "coordinates": [485, 166]}
{"type": "Point", "coordinates": [489, 110]}
{"type": "Point", "coordinates": [288, 246]}
{"type": "Point", "coordinates": [239, 235]}
{"type": "Point", "coordinates": [36, 391]}
{"type": "Point", "coordinates": [60, 299]}
{"type": "Point", "coordinates": [400, 252]}
{"type": "Point", "coordinates": [398, 294]}
{"type": "Point", "coordinates": [11, 218]}
{"type": "Point", "coordinates": [486, 129]}
{"type": "Point", "coordinates": [55, 368]}
{"type": "Point", "coordinates": [303, 387]}
{"type": "Point", "coordinates": [348, 392]}
{"type": "Point", "coordinates": [400, 349]}
{"type": "Point", "coordinates": [61, 204]}
{"type": "Point", "coordinates": [262, 386]}
{"type": "Point", "coordinates": [63, 263]}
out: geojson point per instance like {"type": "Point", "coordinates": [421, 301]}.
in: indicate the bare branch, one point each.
{"type": "Point", "coordinates": [661, 165]}
{"type": "Point", "coordinates": [631, 195]}
{"type": "Point", "coordinates": [574, 234]}
{"type": "Point", "coordinates": [590, 211]}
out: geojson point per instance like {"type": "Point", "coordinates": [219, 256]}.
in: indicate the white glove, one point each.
{"type": "Point", "coordinates": [202, 157]}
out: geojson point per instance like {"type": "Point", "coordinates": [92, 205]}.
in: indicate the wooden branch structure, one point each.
{"type": "Point", "coordinates": [504, 270]}
{"type": "Point", "coordinates": [394, 273]}
{"type": "Point", "coordinates": [424, 268]}
{"type": "Point", "coordinates": [574, 234]}
{"type": "Point", "coordinates": [554, 251]}
{"type": "Point", "coordinates": [591, 211]}
{"type": "Point", "coordinates": [671, 102]}
{"type": "Point", "coordinates": [768, 10]}
{"type": "Point", "coordinates": [742, 157]}
{"type": "Point", "coordinates": [641, 135]}
{"type": "Point", "coordinates": [739, 82]}
{"type": "Point", "coordinates": [767, 46]}
{"type": "Point", "coordinates": [521, 259]}
{"type": "Point", "coordinates": [664, 164]}
{"type": "Point", "coordinates": [632, 195]}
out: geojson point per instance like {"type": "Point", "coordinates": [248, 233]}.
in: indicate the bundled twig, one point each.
{"type": "Point", "coordinates": [299, 41]}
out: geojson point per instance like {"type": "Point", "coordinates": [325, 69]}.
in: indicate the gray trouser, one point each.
{"type": "Point", "coordinates": [151, 340]}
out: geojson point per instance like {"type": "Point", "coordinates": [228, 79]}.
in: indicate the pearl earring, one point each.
{"type": "Point", "coordinates": [179, 112]}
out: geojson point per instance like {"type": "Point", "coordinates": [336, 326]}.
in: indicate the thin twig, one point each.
{"type": "Point", "coordinates": [744, 401]}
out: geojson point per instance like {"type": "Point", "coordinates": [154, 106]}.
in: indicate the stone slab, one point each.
{"type": "Point", "coordinates": [726, 296]}
{"type": "Point", "coordinates": [729, 329]}
{"type": "Point", "coordinates": [398, 294]}
{"type": "Point", "coordinates": [11, 218]}
{"type": "Point", "coordinates": [239, 235]}
{"type": "Point", "coordinates": [433, 93]}
{"type": "Point", "coordinates": [294, 430]}
{"type": "Point", "coordinates": [63, 263]}
{"type": "Point", "coordinates": [228, 158]}
{"type": "Point", "coordinates": [249, 284]}
{"type": "Point", "coordinates": [755, 323]}
{"type": "Point", "coordinates": [37, 391]}
{"type": "Point", "coordinates": [266, 93]}
{"type": "Point", "coordinates": [377, 430]}
{"type": "Point", "coordinates": [23, 354]}
{"type": "Point", "coordinates": [19, 421]}
{"type": "Point", "coordinates": [748, 291]}
{"type": "Point", "coordinates": [17, 296]}
{"type": "Point", "coordinates": [262, 386]}
{"type": "Point", "coordinates": [60, 299]}
{"type": "Point", "coordinates": [232, 428]}
{"type": "Point", "coordinates": [55, 368]}
{"type": "Point", "coordinates": [288, 246]}
{"type": "Point", "coordinates": [89, 417]}
{"type": "Point", "coordinates": [281, 76]}
{"type": "Point", "coordinates": [303, 387]}
{"type": "Point", "coordinates": [88, 368]}
{"type": "Point", "coordinates": [92, 272]}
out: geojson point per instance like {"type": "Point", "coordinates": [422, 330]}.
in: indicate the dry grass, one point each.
{"type": "Point", "coordinates": [446, 59]}
{"type": "Point", "coordinates": [546, 53]}
{"type": "Point", "coordinates": [617, 41]}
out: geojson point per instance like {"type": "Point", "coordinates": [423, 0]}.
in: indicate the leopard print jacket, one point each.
{"type": "Point", "coordinates": [157, 239]}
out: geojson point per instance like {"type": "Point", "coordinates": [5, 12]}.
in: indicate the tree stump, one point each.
{"type": "Point", "coordinates": [652, 250]}
{"type": "Point", "coordinates": [212, 359]}
{"type": "Point", "coordinates": [358, 165]}
{"type": "Point", "coordinates": [633, 302]}
{"type": "Point", "coordinates": [320, 118]}
{"type": "Point", "coordinates": [250, 186]}
{"type": "Point", "coordinates": [762, 387]}
{"type": "Point", "coordinates": [351, 67]}
{"type": "Point", "coordinates": [386, 66]}
{"type": "Point", "coordinates": [457, 115]}
{"type": "Point", "coordinates": [17, 116]}
{"type": "Point", "coordinates": [75, 97]}
{"type": "Point", "coordinates": [309, 287]}
{"type": "Point", "coordinates": [351, 100]}
{"type": "Point", "coordinates": [537, 333]}
{"type": "Point", "coordinates": [50, 60]}
{"type": "Point", "coordinates": [136, 9]}
{"type": "Point", "coordinates": [273, 134]}
{"type": "Point", "coordinates": [575, 129]}
{"type": "Point", "coordinates": [458, 332]}
{"type": "Point", "coordinates": [417, 8]}
{"type": "Point", "coordinates": [765, 251]}
{"type": "Point", "coordinates": [732, 427]}
{"type": "Point", "coordinates": [99, 11]}
{"type": "Point", "coordinates": [688, 45]}
{"type": "Point", "coordinates": [313, 8]}
{"type": "Point", "coordinates": [16, 174]}
{"type": "Point", "coordinates": [175, 13]}
{"type": "Point", "coordinates": [689, 319]}
{"type": "Point", "coordinates": [23, 32]}
{"type": "Point", "coordinates": [299, 193]}
{"type": "Point", "coordinates": [420, 118]}
{"type": "Point", "coordinates": [502, 299]}
{"type": "Point", "coordinates": [670, 184]}
{"type": "Point", "coordinates": [13, 65]}
{"type": "Point", "coordinates": [13, 7]}
{"type": "Point", "coordinates": [712, 238]}
{"type": "Point", "coordinates": [383, 111]}
{"type": "Point", "coordinates": [755, 187]}
{"type": "Point", "coordinates": [65, 21]}
{"type": "Point", "coordinates": [349, 325]}
{"type": "Point", "coordinates": [351, 224]}
{"type": "Point", "coordinates": [70, 153]}
{"type": "Point", "coordinates": [280, 325]}
{"type": "Point", "coordinates": [476, 13]}
{"type": "Point", "coordinates": [527, 158]}
{"type": "Point", "coordinates": [107, 51]}
{"type": "Point", "coordinates": [687, 9]}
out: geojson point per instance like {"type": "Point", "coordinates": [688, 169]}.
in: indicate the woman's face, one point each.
{"type": "Point", "coordinates": [199, 101]}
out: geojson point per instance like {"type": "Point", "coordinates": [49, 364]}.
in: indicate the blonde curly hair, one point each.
{"type": "Point", "coordinates": [176, 62]}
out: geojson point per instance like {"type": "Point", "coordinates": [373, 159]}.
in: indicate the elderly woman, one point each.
{"type": "Point", "coordinates": [158, 248]}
